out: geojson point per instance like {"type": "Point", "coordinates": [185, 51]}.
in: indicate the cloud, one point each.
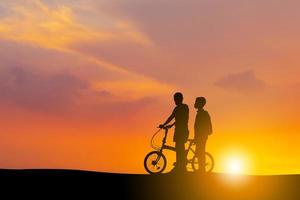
{"type": "Point", "coordinates": [57, 27]}
{"type": "Point", "coordinates": [114, 108]}
{"type": "Point", "coordinates": [33, 22]}
{"type": "Point", "coordinates": [39, 92]}
{"type": "Point", "coordinates": [241, 82]}
{"type": "Point", "coordinates": [200, 40]}
{"type": "Point", "coordinates": [58, 93]}
{"type": "Point", "coordinates": [124, 85]}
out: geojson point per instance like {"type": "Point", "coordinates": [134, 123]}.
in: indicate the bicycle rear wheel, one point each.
{"type": "Point", "coordinates": [209, 163]}
{"type": "Point", "coordinates": [155, 162]}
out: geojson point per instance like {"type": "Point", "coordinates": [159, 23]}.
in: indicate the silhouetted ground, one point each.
{"type": "Point", "coordinates": [93, 185]}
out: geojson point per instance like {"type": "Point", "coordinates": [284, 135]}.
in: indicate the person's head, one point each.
{"type": "Point", "coordinates": [200, 102]}
{"type": "Point", "coordinates": [178, 98]}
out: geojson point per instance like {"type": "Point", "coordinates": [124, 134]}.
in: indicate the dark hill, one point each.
{"type": "Point", "coordinates": [94, 185]}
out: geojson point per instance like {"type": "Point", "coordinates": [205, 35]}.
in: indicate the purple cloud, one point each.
{"type": "Point", "coordinates": [35, 91]}
{"type": "Point", "coordinates": [241, 82]}
{"type": "Point", "coordinates": [60, 93]}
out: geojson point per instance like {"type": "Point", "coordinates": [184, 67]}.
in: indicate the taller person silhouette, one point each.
{"type": "Point", "coordinates": [181, 134]}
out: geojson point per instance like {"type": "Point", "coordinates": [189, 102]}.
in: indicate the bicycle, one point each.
{"type": "Point", "coordinates": [155, 162]}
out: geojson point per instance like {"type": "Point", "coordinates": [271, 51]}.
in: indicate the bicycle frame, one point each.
{"type": "Point", "coordinates": [164, 146]}
{"type": "Point", "coordinates": [172, 148]}
{"type": "Point", "coordinates": [190, 153]}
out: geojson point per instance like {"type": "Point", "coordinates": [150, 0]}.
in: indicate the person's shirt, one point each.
{"type": "Point", "coordinates": [202, 124]}
{"type": "Point", "coordinates": [181, 115]}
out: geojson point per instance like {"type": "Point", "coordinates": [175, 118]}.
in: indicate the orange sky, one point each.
{"type": "Point", "coordinates": [84, 83]}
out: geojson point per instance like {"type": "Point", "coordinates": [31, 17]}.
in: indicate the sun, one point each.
{"type": "Point", "coordinates": [234, 166]}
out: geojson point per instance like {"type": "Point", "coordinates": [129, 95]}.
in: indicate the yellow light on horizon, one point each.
{"type": "Point", "coordinates": [235, 166]}
{"type": "Point", "coordinates": [235, 161]}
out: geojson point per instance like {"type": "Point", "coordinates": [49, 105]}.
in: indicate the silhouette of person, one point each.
{"type": "Point", "coordinates": [181, 133]}
{"type": "Point", "coordinates": [202, 128]}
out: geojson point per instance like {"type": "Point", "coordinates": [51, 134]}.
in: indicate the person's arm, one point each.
{"type": "Point", "coordinates": [171, 125]}
{"type": "Point", "coordinates": [170, 118]}
{"type": "Point", "coordinates": [210, 130]}
{"type": "Point", "coordinates": [196, 125]}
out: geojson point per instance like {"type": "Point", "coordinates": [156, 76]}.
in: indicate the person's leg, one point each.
{"type": "Point", "coordinates": [180, 156]}
{"type": "Point", "coordinates": [200, 153]}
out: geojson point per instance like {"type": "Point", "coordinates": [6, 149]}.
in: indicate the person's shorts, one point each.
{"type": "Point", "coordinates": [181, 136]}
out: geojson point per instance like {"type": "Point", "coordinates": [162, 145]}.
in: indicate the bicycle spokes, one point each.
{"type": "Point", "coordinates": [155, 162]}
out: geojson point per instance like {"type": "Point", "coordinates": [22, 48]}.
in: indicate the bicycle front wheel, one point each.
{"type": "Point", "coordinates": [155, 162]}
{"type": "Point", "coordinates": [209, 163]}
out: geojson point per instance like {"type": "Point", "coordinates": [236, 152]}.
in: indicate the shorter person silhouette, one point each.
{"type": "Point", "coordinates": [202, 128]}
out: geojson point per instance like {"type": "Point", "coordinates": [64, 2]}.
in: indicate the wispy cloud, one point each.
{"type": "Point", "coordinates": [35, 23]}
{"type": "Point", "coordinates": [40, 92]}
{"type": "Point", "coordinates": [242, 82]}
{"type": "Point", "coordinates": [63, 92]}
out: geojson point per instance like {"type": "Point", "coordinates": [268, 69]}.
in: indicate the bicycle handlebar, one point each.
{"type": "Point", "coordinates": [166, 128]}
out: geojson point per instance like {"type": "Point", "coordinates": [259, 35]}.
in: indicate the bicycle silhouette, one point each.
{"type": "Point", "coordinates": [155, 162]}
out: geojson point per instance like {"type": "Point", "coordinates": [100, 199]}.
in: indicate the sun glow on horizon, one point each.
{"type": "Point", "coordinates": [235, 166]}
{"type": "Point", "coordinates": [236, 163]}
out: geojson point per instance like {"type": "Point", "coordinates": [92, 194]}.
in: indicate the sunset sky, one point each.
{"type": "Point", "coordinates": [84, 83]}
